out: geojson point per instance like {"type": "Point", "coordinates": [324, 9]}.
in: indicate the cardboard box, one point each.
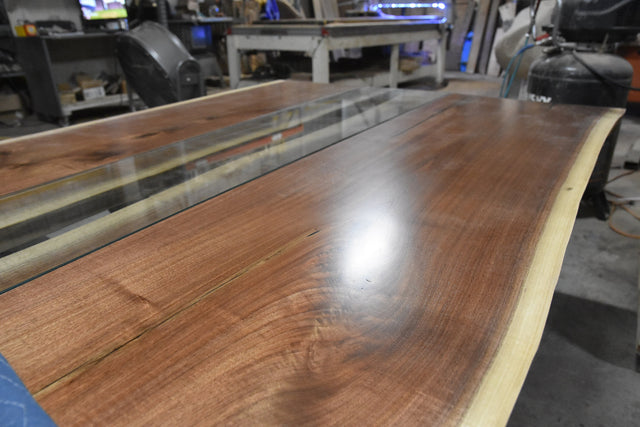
{"type": "Point", "coordinates": [90, 83]}
{"type": "Point", "coordinates": [68, 97]}
{"type": "Point", "coordinates": [10, 102]}
{"type": "Point", "coordinates": [93, 93]}
{"type": "Point", "coordinates": [26, 30]}
{"type": "Point", "coordinates": [409, 64]}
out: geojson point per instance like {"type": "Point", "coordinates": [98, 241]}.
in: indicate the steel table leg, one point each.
{"type": "Point", "coordinates": [233, 57]}
{"type": "Point", "coordinates": [395, 65]}
{"type": "Point", "coordinates": [320, 63]}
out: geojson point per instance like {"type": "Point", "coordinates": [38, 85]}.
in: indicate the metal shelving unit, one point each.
{"type": "Point", "coordinates": [50, 60]}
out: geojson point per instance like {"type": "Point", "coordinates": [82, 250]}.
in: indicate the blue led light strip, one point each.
{"type": "Point", "coordinates": [409, 5]}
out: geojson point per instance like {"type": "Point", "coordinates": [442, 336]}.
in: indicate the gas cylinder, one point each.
{"type": "Point", "coordinates": [558, 77]}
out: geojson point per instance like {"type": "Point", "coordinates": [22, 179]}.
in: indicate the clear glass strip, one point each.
{"type": "Point", "coordinates": [52, 224]}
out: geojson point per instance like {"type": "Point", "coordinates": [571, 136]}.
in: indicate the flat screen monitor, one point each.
{"type": "Point", "coordinates": [100, 10]}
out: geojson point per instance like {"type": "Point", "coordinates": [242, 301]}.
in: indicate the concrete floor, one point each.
{"type": "Point", "coordinates": [584, 371]}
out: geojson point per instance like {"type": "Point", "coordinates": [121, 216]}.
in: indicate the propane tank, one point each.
{"type": "Point", "coordinates": [558, 77]}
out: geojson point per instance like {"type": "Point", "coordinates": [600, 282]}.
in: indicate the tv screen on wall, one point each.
{"type": "Point", "coordinates": [103, 9]}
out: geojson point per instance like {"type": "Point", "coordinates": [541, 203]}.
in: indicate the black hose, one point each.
{"type": "Point", "coordinates": [162, 13]}
{"type": "Point", "coordinates": [601, 76]}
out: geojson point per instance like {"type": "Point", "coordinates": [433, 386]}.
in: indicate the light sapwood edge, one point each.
{"type": "Point", "coordinates": [496, 395]}
{"type": "Point", "coordinates": [135, 113]}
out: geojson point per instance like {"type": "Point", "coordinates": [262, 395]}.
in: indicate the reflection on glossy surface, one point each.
{"type": "Point", "coordinates": [370, 248]}
{"type": "Point", "coordinates": [48, 225]}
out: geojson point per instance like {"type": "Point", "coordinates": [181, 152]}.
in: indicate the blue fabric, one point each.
{"type": "Point", "coordinates": [17, 407]}
{"type": "Point", "coordinates": [272, 11]}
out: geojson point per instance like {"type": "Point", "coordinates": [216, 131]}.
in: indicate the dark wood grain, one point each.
{"type": "Point", "coordinates": [52, 155]}
{"type": "Point", "coordinates": [372, 282]}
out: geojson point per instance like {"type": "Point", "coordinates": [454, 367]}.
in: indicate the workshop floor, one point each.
{"type": "Point", "coordinates": [584, 371]}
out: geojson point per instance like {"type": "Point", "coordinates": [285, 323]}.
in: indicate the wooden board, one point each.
{"type": "Point", "coordinates": [464, 14]}
{"type": "Point", "coordinates": [37, 159]}
{"type": "Point", "coordinates": [401, 276]}
{"type": "Point", "coordinates": [487, 41]}
{"type": "Point", "coordinates": [479, 25]}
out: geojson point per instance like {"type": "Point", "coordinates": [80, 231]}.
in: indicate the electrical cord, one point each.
{"type": "Point", "coordinates": [599, 75]}
{"type": "Point", "coordinates": [622, 175]}
{"type": "Point", "coordinates": [533, 11]}
{"type": "Point", "coordinates": [505, 89]}
{"type": "Point", "coordinates": [531, 33]}
{"type": "Point", "coordinates": [515, 71]}
{"type": "Point", "coordinates": [614, 207]}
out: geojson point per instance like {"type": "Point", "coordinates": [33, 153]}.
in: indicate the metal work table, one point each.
{"type": "Point", "coordinates": [318, 38]}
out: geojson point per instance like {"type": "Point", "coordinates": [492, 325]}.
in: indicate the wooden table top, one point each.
{"type": "Point", "coordinates": [47, 156]}
{"type": "Point", "coordinates": [401, 276]}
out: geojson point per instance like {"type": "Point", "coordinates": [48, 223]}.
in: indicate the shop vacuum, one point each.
{"type": "Point", "coordinates": [580, 68]}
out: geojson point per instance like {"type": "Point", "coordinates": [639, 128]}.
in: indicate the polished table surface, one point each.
{"type": "Point", "coordinates": [402, 275]}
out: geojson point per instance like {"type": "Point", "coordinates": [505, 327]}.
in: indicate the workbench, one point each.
{"type": "Point", "coordinates": [290, 253]}
{"type": "Point", "coordinates": [318, 38]}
